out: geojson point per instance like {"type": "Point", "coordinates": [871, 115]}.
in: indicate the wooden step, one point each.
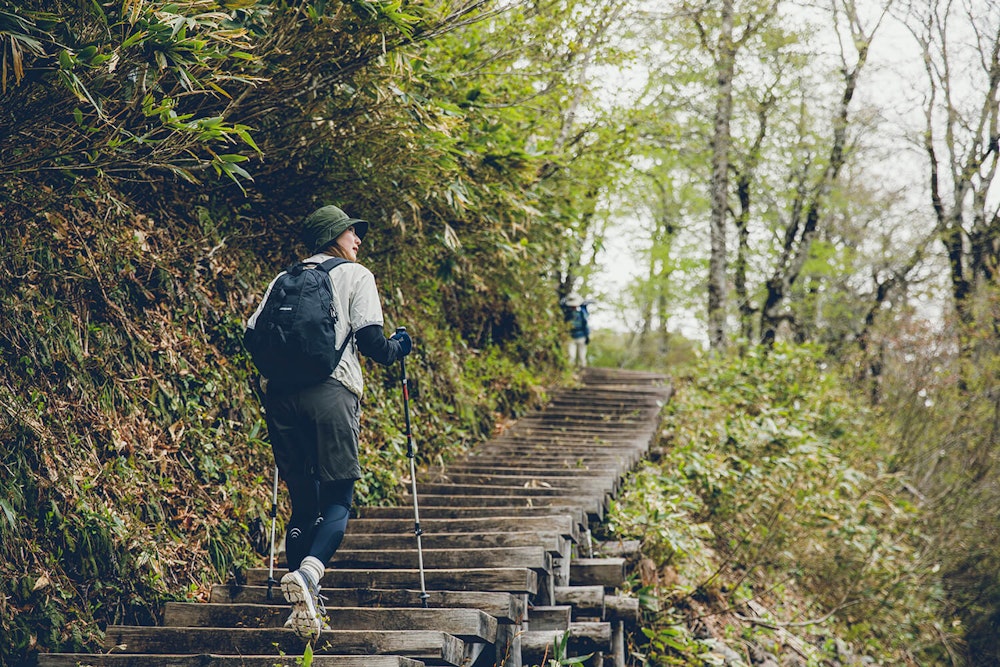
{"type": "Point", "coordinates": [553, 617]}
{"type": "Point", "coordinates": [504, 580]}
{"type": "Point", "coordinates": [508, 468]}
{"type": "Point", "coordinates": [507, 608]}
{"type": "Point", "coordinates": [621, 608]}
{"type": "Point", "coordinates": [606, 572]}
{"type": "Point", "coordinates": [592, 440]}
{"type": "Point", "coordinates": [578, 515]}
{"type": "Point", "coordinates": [445, 488]}
{"type": "Point", "coordinates": [603, 411]}
{"type": "Point", "coordinates": [590, 505]}
{"type": "Point", "coordinates": [432, 648]}
{"type": "Point", "coordinates": [566, 520]}
{"type": "Point", "coordinates": [587, 601]}
{"type": "Point", "coordinates": [554, 486]}
{"type": "Point", "coordinates": [627, 549]}
{"type": "Point", "coordinates": [584, 638]}
{"type": "Point", "coordinates": [559, 451]}
{"type": "Point", "coordinates": [572, 440]}
{"type": "Point", "coordinates": [621, 464]}
{"type": "Point", "coordinates": [572, 433]}
{"type": "Point", "coordinates": [534, 557]}
{"type": "Point", "coordinates": [588, 445]}
{"type": "Point", "coordinates": [209, 660]}
{"type": "Point", "coordinates": [597, 374]}
{"type": "Point", "coordinates": [552, 542]}
{"type": "Point", "coordinates": [618, 457]}
{"type": "Point", "coordinates": [469, 625]}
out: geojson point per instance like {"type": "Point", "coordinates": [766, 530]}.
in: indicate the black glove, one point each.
{"type": "Point", "coordinates": [587, 340]}
{"type": "Point", "coordinates": [405, 344]}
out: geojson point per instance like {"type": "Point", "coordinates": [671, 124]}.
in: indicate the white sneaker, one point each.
{"type": "Point", "coordinates": [303, 594]}
{"type": "Point", "coordinates": [290, 621]}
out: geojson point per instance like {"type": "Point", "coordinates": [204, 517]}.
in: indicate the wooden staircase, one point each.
{"type": "Point", "coordinates": [510, 564]}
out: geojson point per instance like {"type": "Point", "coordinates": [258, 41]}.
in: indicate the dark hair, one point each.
{"type": "Point", "coordinates": [336, 251]}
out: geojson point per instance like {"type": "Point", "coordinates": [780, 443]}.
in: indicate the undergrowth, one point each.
{"type": "Point", "coordinates": [770, 520]}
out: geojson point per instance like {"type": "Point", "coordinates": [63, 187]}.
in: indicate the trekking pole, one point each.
{"type": "Point", "coordinates": [274, 518]}
{"type": "Point", "coordinates": [411, 454]}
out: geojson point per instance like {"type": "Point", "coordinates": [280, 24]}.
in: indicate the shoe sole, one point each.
{"type": "Point", "coordinates": [304, 620]}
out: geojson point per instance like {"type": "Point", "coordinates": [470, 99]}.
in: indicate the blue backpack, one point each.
{"type": "Point", "coordinates": [293, 342]}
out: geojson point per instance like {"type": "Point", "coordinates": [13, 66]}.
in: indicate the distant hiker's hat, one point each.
{"type": "Point", "coordinates": [324, 225]}
{"type": "Point", "coordinates": [574, 300]}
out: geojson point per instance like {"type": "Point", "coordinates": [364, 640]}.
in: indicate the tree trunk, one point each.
{"type": "Point", "coordinates": [717, 265]}
{"type": "Point", "coordinates": [744, 180]}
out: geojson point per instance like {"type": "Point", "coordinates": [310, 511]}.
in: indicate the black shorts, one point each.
{"type": "Point", "coordinates": [314, 431]}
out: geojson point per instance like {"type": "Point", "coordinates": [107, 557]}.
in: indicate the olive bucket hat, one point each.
{"type": "Point", "coordinates": [324, 225]}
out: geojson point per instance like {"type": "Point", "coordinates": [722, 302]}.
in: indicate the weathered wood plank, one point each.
{"type": "Point", "coordinates": [583, 638]}
{"type": "Point", "coordinates": [619, 436]}
{"type": "Point", "coordinates": [485, 514]}
{"type": "Point", "coordinates": [619, 432]}
{"type": "Point", "coordinates": [556, 485]}
{"type": "Point", "coordinates": [504, 580]}
{"type": "Point", "coordinates": [621, 608]}
{"type": "Point", "coordinates": [445, 488]}
{"type": "Point", "coordinates": [507, 608]}
{"type": "Point", "coordinates": [589, 443]}
{"type": "Point", "coordinates": [534, 557]}
{"type": "Point", "coordinates": [471, 519]}
{"type": "Point", "coordinates": [436, 648]}
{"type": "Point", "coordinates": [562, 454]}
{"type": "Point", "coordinates": [607, 572]}
{"type": "Point", "coordinates": [209, 660]}
{"type": "Point", "coordinates": [525, 468]}
{"type": "Point", "coordinates": [551, 541]}
{"type": "Point", "coordinates": [469, 625]}
{"type": "Point", "coordinates": [587, 601]}
{"type": "Point", "coordinates": [553, 617]}
{"type": "Point", "coordinates": [588, 504]}
{"type": "Point", "coordinates": [627, 549]}
{"type": "Point", "coordinates": [621, 461]}
{"type": "Point", "coordinates": [567, 522]}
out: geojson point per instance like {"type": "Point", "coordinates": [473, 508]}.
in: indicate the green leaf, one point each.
{"type": "Point", "coordinates": [134, 39]}
{"type": "Point", "coordinates": [8, 512]}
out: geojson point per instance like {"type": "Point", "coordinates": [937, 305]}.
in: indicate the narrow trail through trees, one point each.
{"type": "Point", "coordinates": [511, 567]}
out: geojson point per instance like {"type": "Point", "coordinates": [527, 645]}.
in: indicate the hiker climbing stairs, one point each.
{"type": "Point", "coordinates": [511, 569]}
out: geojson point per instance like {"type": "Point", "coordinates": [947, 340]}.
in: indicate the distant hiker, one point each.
{"type": "Point", "coordinates": [575, 312]}
{"type": "Point", "coordinates": [314, 429]}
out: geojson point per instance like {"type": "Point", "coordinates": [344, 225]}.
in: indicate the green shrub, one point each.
{"type": "Point", "coordinates": [772, 477]}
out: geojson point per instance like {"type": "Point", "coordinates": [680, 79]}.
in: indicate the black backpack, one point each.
{"type": "Point", "coordinates": [294, 341]}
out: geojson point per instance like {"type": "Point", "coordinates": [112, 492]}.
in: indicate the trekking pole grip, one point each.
{"type": "Point", "coordinates": [402, 367]}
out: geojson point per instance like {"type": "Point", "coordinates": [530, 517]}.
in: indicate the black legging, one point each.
{"type": "Point", "coordinates": [319, 518]}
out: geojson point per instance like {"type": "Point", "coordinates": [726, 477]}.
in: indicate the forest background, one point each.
{"type": "Point", "coordinates": [822, 209]}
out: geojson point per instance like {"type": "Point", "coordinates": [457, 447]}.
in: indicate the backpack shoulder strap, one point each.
{"type": "Point", "coordinates": [326, 267]}
{"type": "Point", "coordinates": [331, 263]}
